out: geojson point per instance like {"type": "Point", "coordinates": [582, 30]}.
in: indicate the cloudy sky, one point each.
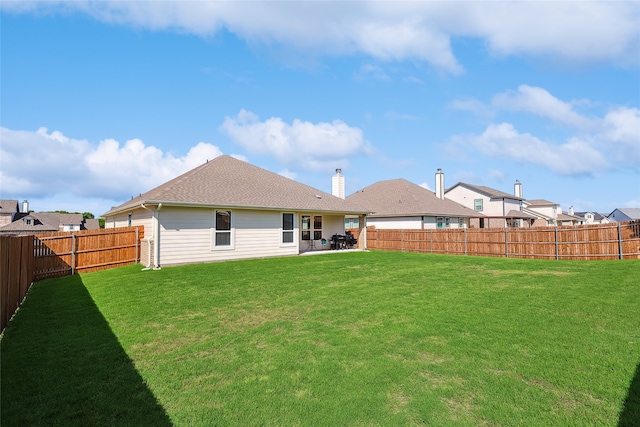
{"type": "Point", "coordinates": [101, 101]}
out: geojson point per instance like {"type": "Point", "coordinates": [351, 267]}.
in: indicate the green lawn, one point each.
{"type": "Point", "coordinates": [347, 339]}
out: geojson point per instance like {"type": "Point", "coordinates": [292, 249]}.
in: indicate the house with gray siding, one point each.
{"type": "Point", "coordinates": [624, 215]}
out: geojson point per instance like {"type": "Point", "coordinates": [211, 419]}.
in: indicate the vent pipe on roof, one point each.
{"type": "Point", "coordinates": [337, 184]}
{"type": "Point", "coordinates": [440, 184]}
{"type": "Point", "coordinates": [517, 189]}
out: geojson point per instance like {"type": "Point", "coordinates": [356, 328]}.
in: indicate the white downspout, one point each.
{"type": "Point", "coordinates": [155, 237]}
{"type": "Point", "coordinates": [149, 240]}
{"type": "Point", "coordinates": [156, 246]}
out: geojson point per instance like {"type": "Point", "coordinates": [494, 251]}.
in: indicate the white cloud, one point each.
{"type": "Point", "coordinates": [107, 170]}
{"type": "Point", "coordinates": [574, 157]}
{"type": "Point", "coordinates": [390, 31]}
{"type": "Point", "coordinates": [566, 31]}
{"type": "Point", "coordinates": [539, 101]}
{"type": "Point", "coordinates": [288, 174]}
{"type": "Point", "coordinates": [621, 135]}
{"type": "Point", "coordinates": [598, 143]}
{"type": "Point", "coordinates": [302, 145]}
{"type": "Point", "coordinates": [426, 185]}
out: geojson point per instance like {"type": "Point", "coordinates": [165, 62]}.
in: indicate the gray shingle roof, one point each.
{"type": "Point", "coordinates": [43, 222]}
{"type": "Point", "coordinates": [491, 192]}
{"type": "Point", "coordinates": [399, 197]}
{"type": "Point", "coordinates": [519, 214]}
{"type": "Point", "coordinates": [8, 206]}
{"type": "Point", "coordinates": [229, 182]}
{"type": "Point", "coordinates": [596, 216]}
{"type": "Point", "coordinates": [541, 202]}
{"type": "Point", "coordinates": [633, 213]}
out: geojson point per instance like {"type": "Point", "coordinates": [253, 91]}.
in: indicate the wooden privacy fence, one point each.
{"type": "Point", "coordinates": [66, 253]}
{"type": "Point", "coordinates": [16, 274]}
{"type": "Point", "coordinates": [26, 259]}
{"type": "Point", "coordinates": [584, 242]}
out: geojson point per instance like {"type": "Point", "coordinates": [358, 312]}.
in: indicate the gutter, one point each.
{"type": "Point", "coordinates": [155, 238]}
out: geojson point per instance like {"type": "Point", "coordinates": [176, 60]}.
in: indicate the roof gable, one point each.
{"type": "Point", "coordinates": [229, 182]}
{"type": "Point", "coordinates": [399, 197]}
{"type": "Point", "coordinates": [633, 213]}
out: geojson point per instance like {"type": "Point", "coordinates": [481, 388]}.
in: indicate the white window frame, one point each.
{"type": "Point", "coordinates": [292, 231]}
{"type": "Point", "coordinates": [475, 205]}
{"type": "Point", "coordinates": [317, 232]}
{"type": "Point", "coordinates": [214, 231]}
{"type": "Point", "coordinates": [351, 222]}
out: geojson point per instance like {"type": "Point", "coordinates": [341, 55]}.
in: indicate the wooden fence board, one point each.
{"type": "Point", "coordinates": [585, 242]}
{"type": "Point", "coordinates": [25, 259]}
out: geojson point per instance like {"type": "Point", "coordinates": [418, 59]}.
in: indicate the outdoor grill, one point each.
{"type": "Point", "coordinates": [339, 241]}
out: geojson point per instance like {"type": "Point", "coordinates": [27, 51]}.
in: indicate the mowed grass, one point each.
{"type": "Point", "coordinates": [347, 339]}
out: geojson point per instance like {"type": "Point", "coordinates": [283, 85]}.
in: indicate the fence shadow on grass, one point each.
{"type": "Point", "coordinates": [630, 414]}
{"type": "Point", "coordinates": [62, 365]}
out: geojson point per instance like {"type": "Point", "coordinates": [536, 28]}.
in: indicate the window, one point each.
{"type": "Point", "coordinates": [439, 221]}
{"type": "Point", "coordinates": [317, 227]}
{"type": "Point", "coordinates": [222, 231]}
{"type": "Point", "coordinates": [351, 223]}
{"type": "Point", "coordinates": [306, 225]}
{"type": "Point", "coordinates": [28, 221]}
{"type": "Point", "coordinates": [477, 205]}
{"type": "Point", "coordinates": [129, 218]}
{"type": "Point", "coordinates": [446, 221]}
{"type": "Point", "coordinates": [514, 223]}
{"type": "Point", "coordinates": [287, 228]}
{"type": "Point", "coordinates": [461, 223]}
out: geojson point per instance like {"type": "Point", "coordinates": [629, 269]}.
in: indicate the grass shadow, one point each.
{"type": "Point", "coordinates": [62, 365]}
{"type": "Point", "coordinates": [630, 414]}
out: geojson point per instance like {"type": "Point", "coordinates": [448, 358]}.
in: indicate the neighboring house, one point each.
{"type": "Point", "coordinates": [499, 209]}
{"type": "Point", "coordinates": [545, 212]}
{"type": "Point", "coordinates": [229, 209]}
{"type": "Point", "coordinates": [624, 214]}
{"type": "Point", "coordinates": [592, 217]}
{"type": "Point", "coordinates": [400, 204]}
{"type": "Point", "coordinates": [46, 222]}
{"type": "Point", "coordinates": [8, 210]}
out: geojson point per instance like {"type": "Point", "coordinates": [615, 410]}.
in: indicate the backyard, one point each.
{"type": "Point", "coordinates": [347, 339]}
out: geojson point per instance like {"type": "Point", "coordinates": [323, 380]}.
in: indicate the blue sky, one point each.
{"type": "Point", "coordinates": [101, 101]}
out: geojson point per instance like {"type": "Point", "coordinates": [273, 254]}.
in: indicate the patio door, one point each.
{"type": "Point", "coordinates": [311, 227]}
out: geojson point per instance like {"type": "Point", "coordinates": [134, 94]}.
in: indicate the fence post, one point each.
{"type": "Point", "coordinates": [464, 231]}
{"type": "Point", "coordinates": [73, 254]}
{"type": "Point", "coordinates": [556, 237]}
{"type": "Point", "coordinates": [506, 241]}
{"type": "Point", "coordinates": [137, 241]}
{"type": "Point", "coordinates": [621, 255]}
{"type": "Point", "coordinates": [431, 241]}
